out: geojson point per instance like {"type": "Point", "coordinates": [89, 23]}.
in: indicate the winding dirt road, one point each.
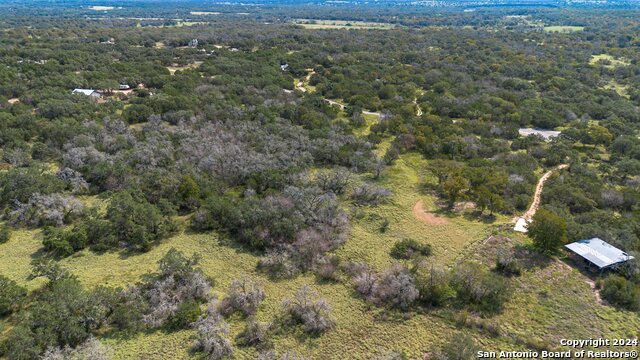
{"type": "Point", "coordinates": [536, 197]}
{"type": "Point", "coordinates": [300, 85]}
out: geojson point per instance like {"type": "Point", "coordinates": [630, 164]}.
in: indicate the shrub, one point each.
{"type": "Point", "coordinates": [171, 290]}
{"type": "Point", "coordinates": [187, 312]}
{"type": "Point", "coordinates": [278, 264]}
{"type": "Point", "coordinates": [433, 284]}
{"type": "Point", "coordinates": [314, 314]}
{"type": "Point", "coordinates": [137, 222]}
{"type": "Point", "coordinates": [507, 264]}
{"type": "Point", "coordinates": [326, 267]}
{"type": "Point", "coordinates": [55, 242]}
{"type": "Point", "coordinates": [74, 180]}
{"type": "Point", "coordinates": [396, 288]}
{"type": "Point", "coordinates": [459, 347]}
{"type": "Point", "coordinates": [409, 248]}
{"type": "Point", "coordinates": [62, 314]}
{"type": "Point", "coordinates": [128, 314]}
{"type": "Point", "coordinates": [244, 296]}
{"type": "Point", "coordinates": [20, 184]}
{"type": "Point", "coordinates": [211, 332]}
{"type": "Point", "coordinates": [367, 194]}
{"type": "Point", "coordinates": [91, 349]}
{"type": "Point", "coordinates": [384, 226]}
{"type": "Point", "coordinates": [621, 292]}
{"type": "Point", "coordinates": [255, 334]}
{"type": "Point", "coordinates": [548, 231]}
{"type": "Point", "coordinates": [5, 233]}
{"type": "Point", "coordinates": [11, 294]}
{"type": "Point", "coordinates": [334, 180]}
{"type": "Point", "coordinates": [53, 209]}
{"type": "Point", "coordinates": [64, 242]}
{"type": "Point", "coordinates": [480, 288]}
{"type": "Point", "coordinates": [365, 280]}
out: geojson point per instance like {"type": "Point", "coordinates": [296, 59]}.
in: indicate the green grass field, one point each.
{"type": "Point", "coordinates": [341, 24]}
{"type": "Point", "coordinates": [608, 61]}
{"type": "Point", "coordinates": [553, 301]}
{"type": "Point", "coordinates": [620, 89]}
{"type": "Point", "coordinates": [563, 29]}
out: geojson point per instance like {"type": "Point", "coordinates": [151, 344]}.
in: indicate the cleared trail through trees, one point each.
{"type": "Point", "coordinates": [536, 197]}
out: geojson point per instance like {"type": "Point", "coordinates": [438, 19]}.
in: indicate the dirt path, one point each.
{"type": "Point", "coordinates": [300, 84]}
{"type": "Point", "coordinates": [536, 197]}
{"type": "Point", "coordinates": [418, 109]}
{"type": "Point", "coordinates": [427, 217]}
{"type": "Point", "coordinates": [301, 87]}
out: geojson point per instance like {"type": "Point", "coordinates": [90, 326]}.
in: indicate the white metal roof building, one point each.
{"type": "Point", "coordinates": [521, 225]}
{"type": "Point", "coordinates": [546, 134]}
{"type": "Point", "coordinates": [88, 92]}
{"type": "Point", "coordinates": [599, 253]}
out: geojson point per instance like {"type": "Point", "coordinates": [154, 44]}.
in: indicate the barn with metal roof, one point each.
{"type": "Point", "coordinates": [599, 253]}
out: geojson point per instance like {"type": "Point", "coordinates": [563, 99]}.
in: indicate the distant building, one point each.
{"type": "Point", "coordinates": [87, 92]}
{"type": "Point", "coordinates": [124, 87]}
{"type": "Point", "coordinates": [284, 67]}
{"type": "Point", "coordinates": [522, 225]}
{"type": "Point", "coordinates": [599, 253]}
{"type": "Point", "coordinates": [546, 134]}
{"type": "Point", "coordinates": [193, 43]}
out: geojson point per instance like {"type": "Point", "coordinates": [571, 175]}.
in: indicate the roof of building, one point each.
{"type": "Point", "coordinates": [546, 134]}
{"type": "Point", "coordinates": [599, 252]}
{"type": "Point", "coordinates": [521, 225]}
{"type": "Point", "coordinates": [84, 91]}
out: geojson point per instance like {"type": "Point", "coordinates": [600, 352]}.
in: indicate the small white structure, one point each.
{"type": "Point", "coordinates": [284, 67]}
{"type": "Point", "coordinates": [546, 134]}
{"type": "Point", "coordinates": [521, 225]}
{"type": "Point", "coordinates": [599, 253]}
{"type": "Point", "coordinates": [87, 92]}
{"type": "Point", "coordinates": [193, 43]}
{"type": "Point", "coordinates": [124, 87]}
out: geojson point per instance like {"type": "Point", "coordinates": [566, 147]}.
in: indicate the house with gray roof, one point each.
{"type": "Point", "coordinates": [87, 92]}
{"type": "Point", "coordinates": [599, 253]}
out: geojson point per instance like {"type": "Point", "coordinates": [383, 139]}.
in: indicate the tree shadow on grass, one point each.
{"type": "Point", "coordinates": [479, 216]}
{"type": "Point", "coordinates": [530, 258]}
{"type": "Point", "coordinates": [583, 267]}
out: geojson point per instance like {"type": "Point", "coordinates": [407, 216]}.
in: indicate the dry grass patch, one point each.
{"type": "Point", "coordinates": [608, 61]}
{"type": "Point", "coordinates": [175, 67]}
{"type": "Point", "coordinates": [342, 24]}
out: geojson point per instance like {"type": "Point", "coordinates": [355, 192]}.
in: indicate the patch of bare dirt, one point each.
{"type": "Point", "coordinates": [13, 100]}
{"type": "Point", "coordinates": [425, 216]}
{"type": "Point", "coordinates": [596, 292]}
{"type": "Point", "coordinates": [462, 206]}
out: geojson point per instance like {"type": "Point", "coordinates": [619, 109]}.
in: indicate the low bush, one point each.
{"type": "Point", "coordinates": [433, 284]}
{"type": "Point", "coordinates": [620, 292]}
{"type": "Point", "coordinates": [255, 334]}
{"type": "Point", "coordinates": [314, 314]}
{"type": "Point", "coordinates": [367, 194]}
{"type": "Point", "coordinates": [11, 294]}
{"type": "Point", "coordinates": [507, 264]}
{"type": "Point", "coordinates": [396, 288]}
{"type": "Point", "coordinates": [479, 288]}
{"type": "Point", "coordinates": [211, 335]}
{"type": "Point", "coordinates": [5, 233]}
{"type": "Point", "coordinates": [64, 242]}
{"type": "Point", "coordinates": [326, 267]}
{"type": "Point", "coordinates": [459, 347]}
{"type": "Point", "coordinates": [244, 296]}
{"type": "Point", "coordinates": [409, 248]}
